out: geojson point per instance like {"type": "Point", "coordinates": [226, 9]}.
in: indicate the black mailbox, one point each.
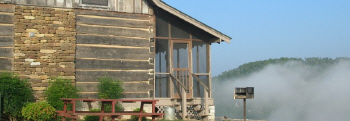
{"type": "Point", "coordinates": [244, 93]}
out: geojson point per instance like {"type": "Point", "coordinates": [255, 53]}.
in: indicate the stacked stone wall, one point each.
{"type": "Point", "coordinates": [44, 45]}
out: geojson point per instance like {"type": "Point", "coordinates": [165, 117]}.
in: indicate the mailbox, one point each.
{"type": "Point", "coordinates": [244, 93]}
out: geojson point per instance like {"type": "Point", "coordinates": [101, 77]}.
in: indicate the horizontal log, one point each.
{"type": "Point", "coordinates": [113, 14]}
{"type": "Point", "coordinates": [112, 40]}
{"type": "Point", "coordinates": [6, 41]}
{"type": "Point", "coordinates": [125, 95]}
{"type": "Point", "coordinates": [6, 52]}
{"type": "Point", "coordinates": [9, 8]}
{"type": "Point", "coordinates": [92, 76]}
{"type": "Point", "coordinates": [113, 65]}
{"type": "Point", "coordinates": [134, 23]}
{"type": "Point", "coordinates": [109, 30]}
{"type": "Point", "coordinates": [111, 46]}
{"type": "Point", "coordinates": [6, 30]}
{"type": "Point", "coordinates": [6, 18]}
{"type": "Point", "coordinates": [128, 87]}
{"type": "Point", "coordinates": [89, 95]}
{"type": "Point", "coordinates": [136, 95]}
{"type": "Point", "coordinates": [5, 64]}
{"type": "Point", "coordinates": [113, 53]}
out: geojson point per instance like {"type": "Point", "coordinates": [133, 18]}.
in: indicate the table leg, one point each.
{"type": "Point", "coordinates": [64, 111]}
{"type": "Point", "coordinates": [153, 107]}
{"type": "Point", "coordinates": [65, 108]}
{"type": "Point", "coordinates": [153, 110]}
{"type": "Point", "coordinates": [141, 111]}
{"type": "Point", "coordinates": [101, 118]}
{"type": "Point", "coordinates": [140, 118]}
{"type": "Point", "coordinates": [103, 107]}
{"type": "Point", "coordinates": [102, 110]}
{"type": "Point", "coordinates": [113, 106]}
{"type": "Point", "coordinates": [141, 107]}
{"type": "Point", "coordinates": [113, 118]}
{"type": "Point", "coordinates": [73, 108]}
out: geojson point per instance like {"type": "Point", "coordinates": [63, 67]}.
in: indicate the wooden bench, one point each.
{"type": "Point", "coordinates": [113, 114]}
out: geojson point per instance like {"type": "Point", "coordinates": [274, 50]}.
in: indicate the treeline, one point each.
{"type": "Point", "coordinates": [249, 68]}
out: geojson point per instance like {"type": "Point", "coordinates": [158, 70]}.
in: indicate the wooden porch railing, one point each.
{"type": "Point", "coordinates": [206, 97]}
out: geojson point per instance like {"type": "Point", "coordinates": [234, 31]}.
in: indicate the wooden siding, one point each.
{"type": "Point", "coordinates": [6, 36]}
{"type": "Point", "coordinates": [116, 45]}
{"type": "Point", "coordinates": [127, 6]}
{"type": "Point", "coordinates": [128, 87]}
{"type": "Point", "coordinates": [91, 75]}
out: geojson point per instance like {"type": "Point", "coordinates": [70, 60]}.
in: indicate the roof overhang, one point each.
{"type": "Point", "coordinates": [189, 19]}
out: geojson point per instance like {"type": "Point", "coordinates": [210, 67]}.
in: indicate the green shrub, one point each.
{"type": "Point", "coordinates": [39, 111]}
{"type": "Point", "coordinates": [136, 118]}
{"type": "Point", "coordinates": [60, 88]}
{"type": "Point", "coordinates": [110, 88]}
{"type": "Point", "coordinates": [15, 93]}
{"type": "Point", "coordinates": [91, 117]}
{"type": "Point", "coordinates": [117, 107]}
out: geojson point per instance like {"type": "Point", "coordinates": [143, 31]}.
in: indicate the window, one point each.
{"type": "Point", "coordinates": [199, 57]}
{"type": "Point", "coordinates": [162, 56]}
{"type": "Point", "coordinates": [162, 27]}
{"type": "Point", "coordinates": [198, 89]}
{"type": "Point", "coordinates": [95, 2]}
{"type": "Point", "coordinates": [162, 82]}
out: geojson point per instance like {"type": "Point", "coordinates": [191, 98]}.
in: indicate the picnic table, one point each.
{"type": "Point", "coordinates": [114, 114]}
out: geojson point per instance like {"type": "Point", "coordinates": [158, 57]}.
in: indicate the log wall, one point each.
{"type": "Point", "coordinates": [127, 6]}
{"type": "Point", "coordinates": [116, 45]}
{"type": "Point", "coordinates": [40, 43]}
{"type": "Point", "coordinates": [6, 37]}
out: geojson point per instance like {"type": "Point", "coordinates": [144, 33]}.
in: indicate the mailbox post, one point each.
{"type": "Point", "coordinates": [244, 93]}
{"type": "Point", "coordinates": [0, 107]}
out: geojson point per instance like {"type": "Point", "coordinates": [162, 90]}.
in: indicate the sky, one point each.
{"type": "Point", "coordinates": [264, 29]}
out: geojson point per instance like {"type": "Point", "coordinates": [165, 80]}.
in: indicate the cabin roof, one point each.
{"type": "Point", "coordinates": [193, 21]}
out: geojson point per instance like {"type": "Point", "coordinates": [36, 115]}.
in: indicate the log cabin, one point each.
{"type": "Point", "coordinates": [156, 50]}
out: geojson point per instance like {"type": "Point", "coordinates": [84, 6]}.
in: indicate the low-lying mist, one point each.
{"type": "Point", "coordinates": [289, 92]}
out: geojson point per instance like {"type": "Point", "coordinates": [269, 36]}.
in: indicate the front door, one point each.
{"type": "Point", "coordinates": [181, 67]}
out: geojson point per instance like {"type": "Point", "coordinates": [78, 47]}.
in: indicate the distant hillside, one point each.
{"type": "Point", "coordinates": [249, 68]}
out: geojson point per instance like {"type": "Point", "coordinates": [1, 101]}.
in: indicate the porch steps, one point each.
{"type": "Point", "coordinates": [195, 109]}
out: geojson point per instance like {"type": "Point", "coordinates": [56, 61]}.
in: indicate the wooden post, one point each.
{"type": "Point", "coordinates": [0, 107]}
{"type": "Point", "coordinates": [244, 103]}
{"type": "Point", "coordinates": [206, 102]}
{"type": "Point", "coordinates": [206, 105]}
{"type": "Point", "coordinates": [184, 106]}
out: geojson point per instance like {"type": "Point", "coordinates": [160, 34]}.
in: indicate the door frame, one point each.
{"type": "Point", "coordinates": [190, 80]}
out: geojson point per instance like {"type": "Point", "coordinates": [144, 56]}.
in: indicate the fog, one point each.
{"type": "Point", "coordinates": [289, 92]}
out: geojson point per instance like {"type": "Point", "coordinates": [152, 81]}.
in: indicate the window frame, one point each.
{"type": "Point", "coordinates": [96, 6]}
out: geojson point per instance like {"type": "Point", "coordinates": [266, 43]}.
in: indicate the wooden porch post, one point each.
{"type": "Point", "coordinates": [206, 105]}
{"type": "Point", "coordinates": [184, 106]}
